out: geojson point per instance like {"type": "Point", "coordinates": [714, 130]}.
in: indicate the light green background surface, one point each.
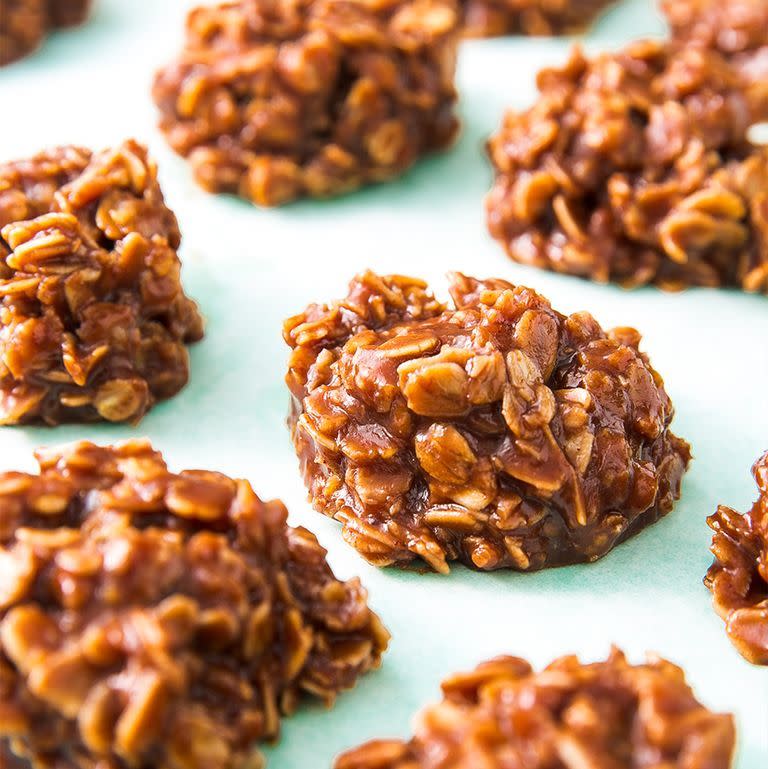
{"type": "Point", "coordinates": [251, 268]}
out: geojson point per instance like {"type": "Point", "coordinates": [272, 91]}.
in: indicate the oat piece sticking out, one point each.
{"type": "Point", "coordinates": [494, 431]}
{"type": "Point", "coordinates": [93, 317]}
{"type": "Point", "coordinates": [736, 28]}
{"type": "Point", "coordinates": [25, 23]}
{"type": "Point", "coordinates": [635, 167]}
{"type": "Point", "coordinates": [738, 578]}
{"type": "Point", "coordinates": [568, 716]}
{"type": "Point", "coordinates": [162, 621]}
{"type": "Point", "coordinates": [490, 18]}
{"type": "Point", "coordinates": [275, 100]}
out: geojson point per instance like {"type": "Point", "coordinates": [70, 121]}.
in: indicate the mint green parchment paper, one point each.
{"type": "Point", "coordinates": [251, 268]}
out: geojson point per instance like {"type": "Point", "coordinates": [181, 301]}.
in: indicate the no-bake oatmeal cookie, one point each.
{"type": "Point", "coordinates": [25, 23]}
{"type": "Point", "coordinates": [738, 578]}
{"type": "Point", "coordinates": [568, 716]}
{"type": "Point", "coordinates": [68, 13]}
{"type": "Point", "coordinates": [157, 620]}
{"type": "Point", "coordinates": [93, 317]}
{"type": "Point", "coordinates": [493, 430]}
{"type": "Point", "coordinates": [636, 167]}
{"type": "Point", "coordinates": [736, 28]}
{"type": "Point", "coordinates": [277, 100]}
{"type": "Point", "coordinates": [489, 18]}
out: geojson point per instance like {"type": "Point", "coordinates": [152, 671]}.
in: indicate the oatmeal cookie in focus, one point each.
{"type": "Point", "coordinates": [491, 430]}
{"type": "Point", "coordinates": [738, 578]}
{"type": "Point", "coordinates": [635, 167]}
{"type": "Point", "coordinates": [568, 716]}
{"type": "Point", "coordinates": [274, 101]}
{"type": "Point", "coordinates": [736, 28]}
{"type": "Point", "coordinates": [160, 620]}
{"type": "Point", "coordinates": [24, 23]}
{"type": "Point", "coordinates": [490, 18]}
{"type": "Point", "coordinates": [93, 317]}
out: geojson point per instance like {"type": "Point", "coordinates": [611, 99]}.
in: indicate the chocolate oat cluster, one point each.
{"type": "Point", "coordinates": [278, 99]}
{"type": "Point", "coordinates": [67, 13]}
{"type": "Point", "coordinates": [568, 716]}
{"type": "Point", "coordinates": [494, 431]}
{"type": "Point", "coordinates": [93, 317]}
{"type": "Point", "coordinates": [635, 167]}
{"type": "Point", "coordinates": [736, 28]}
{"type": "Point", "coordinates": [489, 18]}
{"type": "Point", "coordinates": [738, 578]}
{"type": "Point", "coordinates": [161, 621]}
{"type": "Point", "coordinates": [25, 23]}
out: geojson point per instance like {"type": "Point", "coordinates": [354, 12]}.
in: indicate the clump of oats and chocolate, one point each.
{"type": "Point", "coordinates": [93, 317]}
{"type": "Point", "coordinates": [25, 23]}
{"type": "Point", "coordinates": [738, 578]}
{"type": "Point", "coordinates": [491, 430]}
{"type": "Point", "coordinates": [161, 620]}
{"type": "Point", "coordinates": [738, 29]}
{"type": "Point", "coordinates": [278, 100]}
{"type": "Point", "coordinates": [570, 715]}
{"type": "Point", "coordinates": [636, 167]}
{"type": "Point", "coordinates": [490, 18]}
